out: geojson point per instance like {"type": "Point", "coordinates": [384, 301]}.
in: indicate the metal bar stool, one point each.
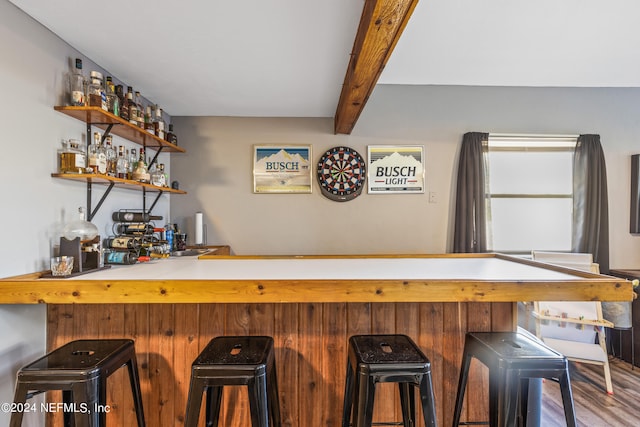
{"type": "Point", "coordinates": [80, 369]}
{"type": "Point", "coordinates": [386, 359]}
{"type": "Point", "coordinates": [242, 360]}
{"type": "Point", "coordinates": [512, 358]}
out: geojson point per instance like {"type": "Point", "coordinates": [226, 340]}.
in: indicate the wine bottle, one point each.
{"type": "Point", "coordinates": [120, 258]}
{"type": "Point", "coordinates": [121, 216]}
{"type": "Point", "coordinates": [123, 242]}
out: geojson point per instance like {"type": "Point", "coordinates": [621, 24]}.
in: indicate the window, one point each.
{"type": "Point", "coordinates": [529, 193]}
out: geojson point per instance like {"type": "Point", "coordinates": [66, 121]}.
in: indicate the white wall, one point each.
{"type": "Point", "coordinates": [34, 206]}
{"type": "Point", "coordinates": [216, 171]}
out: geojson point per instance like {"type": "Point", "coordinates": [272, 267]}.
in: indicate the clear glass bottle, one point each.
{"type": "Point", "coordinates": [76, 85]}
{"type": "Point", "coordinates": [158, 123]}
{"type": "Point", "coordinates": [94, 151]}
{"type": "Point", "coordinates": [111, 155]}
{"type": "Point", "coordinates": [170, 136]}
{"type": "Point", "coordinates": [148, 120]}
{"type": "Point", "coordinates": [131, 107]}
{"type": "Point", "coordinates": [80, 228]}
{"type": "Point", "coordinates": [113, 103]}
{"type": "Point", "coordinates": [72, 157]}
{"type": "Point", "coordinates": [133, 162]}
{"type": "Point", "coordinates": [140, 110]}
{"type": "Point", "coordinates": [156, 176]}
{"type": "Point", "coordinates": [164, 179]}
{"type": "Point", "coordinates": [97, 96]}
{"type": "Point", "coordinates": [141, 172]}
{"type": "Point", "coordinates": [122, 164]}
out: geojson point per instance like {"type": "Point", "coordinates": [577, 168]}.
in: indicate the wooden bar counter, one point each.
{"type": "Point", "coordinates": [310, 305]}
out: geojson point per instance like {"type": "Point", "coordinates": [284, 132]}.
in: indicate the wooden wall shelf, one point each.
{"type": "Point", "coordinates": [102, 119]}
{"type": "Point", "coordinates": [94, 178]}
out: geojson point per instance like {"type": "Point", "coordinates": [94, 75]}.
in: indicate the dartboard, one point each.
{"type": "Point", "coordinates": [341, 174]}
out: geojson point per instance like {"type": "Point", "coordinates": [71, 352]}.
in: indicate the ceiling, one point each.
{"type": "Point", "coordinates": [287, 58]}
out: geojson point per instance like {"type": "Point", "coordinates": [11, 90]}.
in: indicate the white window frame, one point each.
{"type": "Point", "coordinates": [522, 143]}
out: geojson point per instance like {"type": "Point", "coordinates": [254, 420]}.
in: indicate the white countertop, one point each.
{"type": "Point", "coordinates": [192, 268]}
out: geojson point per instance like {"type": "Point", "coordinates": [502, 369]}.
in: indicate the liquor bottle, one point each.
{"type": "Point", "coordinates": [76, 85]}
{"type": "Point", "coordinates": [81, 228]}
{"type": "Point", "coordinates": [94, 151]}
{"type": "Point", "coordinates": [113, 103]}
{"type": "Point", "coordinates": [141, 172]}
{"type": "Point", "coordinates": [156, 176]}
{"type": "Point", "coordinates": [123, 242]}
{"type": "Point", "coordinates": [140, 110]}
{"type": "Point", "coordinates": [102, 157]}
{"type": "Point", "coordinates": [97, 95]}
{"type": "Point", "coordinates": [131, 107]}
{"type": "Point", "coordinates": [133, 161]}
{"type": "Point", "coordinates": [111, 156]}
{"type": "Point", "coordinates": [114, 257]}
{"type": "Point", "coordinates": [163, 176]}
{"type": "Point", "coordinates": [123, 216]}
{"type": "Point", "coordinates": [122, 103]}
{"type": "Point", "coordinates": [158, 123]}
{"type": "Point", "coordinates": [148, 120]}
{"type": "Point", "coordinates": [170, 136]}
{"type": "Point", "coordinates": [122, 164]}
{"type": "Point", "coordinates": [72, 157]}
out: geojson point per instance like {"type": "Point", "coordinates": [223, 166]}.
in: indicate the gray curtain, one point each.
{"type": "Point", "coordinates": [470, 231]}
{"type": "Point", "coordinates": [590, 202]}
{"type": "Point", "coordinates": [591, 217]}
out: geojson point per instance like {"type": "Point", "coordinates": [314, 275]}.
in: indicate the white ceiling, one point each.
{"type": "Point", "coordinates": [288, 57]}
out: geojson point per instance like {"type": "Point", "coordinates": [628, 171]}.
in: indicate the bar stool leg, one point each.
{"type": "Point", "coordinates": [462, 385]}
{"type": "Point", "coordinates": [348, 396]}
{"type": "Point", "coordinates": [510, 391]}
{"type": "Point", "coordinates": [20, 397]}
{"type": "Point", "coordinates": [213, 402]}
{"type": "Point", "coordinates": [408, 404]}
{"type": "Point", "coordinates": [134, 380]}
{"type": "Point", "coordinates": [274, 396]}
{"type": "Point", "coordinates": [194, 401]}
{"type": "Point", "coordinates": [495, 387]}
{"type": "Point", "coordinates": [86, 391]}
{"type": "Point", "coordinates": [258, 402]}
{"type": "Point", "coordinates": [428, 400]}
{"type": "Point", "coordinates": [363, 410]}
{"type": "Point", "coordinates": [567, 399]}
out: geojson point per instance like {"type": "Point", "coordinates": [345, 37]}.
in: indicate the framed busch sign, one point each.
{"type": "Point", "coordinates": [282, 169]}
{"type": "Point", "coordinates": [395, 169]}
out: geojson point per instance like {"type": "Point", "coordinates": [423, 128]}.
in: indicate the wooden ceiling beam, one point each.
{"type": "Point", "coordinates": [381, 25]}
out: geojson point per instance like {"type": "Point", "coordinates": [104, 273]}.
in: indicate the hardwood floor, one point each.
{"type": "Point", "coordinates": [594, 407]}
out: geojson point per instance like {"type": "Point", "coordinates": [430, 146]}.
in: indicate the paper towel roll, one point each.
{"type": "Point", "coordinates": [198, 228]}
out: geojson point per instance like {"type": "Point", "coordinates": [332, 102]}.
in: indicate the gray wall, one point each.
{"type": "Point", "coordinates": [216, 171]}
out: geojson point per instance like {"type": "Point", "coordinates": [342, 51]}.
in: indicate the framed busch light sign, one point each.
{"type": "Point", "coordinates": [396, 169]}
{"type": "Point", "coordinates": [282, 169]}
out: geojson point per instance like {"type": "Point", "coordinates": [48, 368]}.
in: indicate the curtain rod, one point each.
{"type": "Point", "coordinates": [531, 135]}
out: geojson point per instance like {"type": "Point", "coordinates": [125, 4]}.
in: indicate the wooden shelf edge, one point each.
{"type": "Point", "coordinates": [118, 182]}
{"type": "Point", "coordinates": [98, 117]}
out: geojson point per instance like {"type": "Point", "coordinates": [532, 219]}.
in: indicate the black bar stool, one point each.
{"type": "Point", "coordinates": [244, 360]}
{"type": "Point", "coordinates": [512, 358]}
{"type": "Point", "coordinates": [386, 359]}
{"type": "Point", "coordinates": [80, 369]}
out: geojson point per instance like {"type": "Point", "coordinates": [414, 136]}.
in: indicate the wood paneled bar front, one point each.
{"type": "Point", "coordinates": [310, 305]}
